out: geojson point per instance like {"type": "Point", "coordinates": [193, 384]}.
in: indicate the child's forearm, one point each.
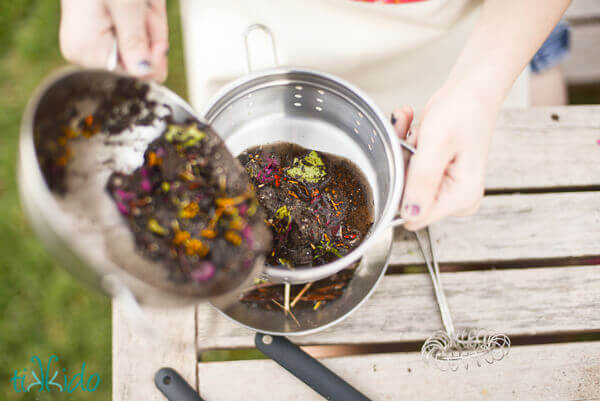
{"type": "Point", "coordinates": [505, 38]}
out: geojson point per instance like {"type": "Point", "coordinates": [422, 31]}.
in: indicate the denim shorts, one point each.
{"type": "Point", "coordinates": [553, 50]}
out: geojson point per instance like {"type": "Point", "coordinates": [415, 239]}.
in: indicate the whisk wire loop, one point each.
{"type": "Point", "coordinates": [450, 349]}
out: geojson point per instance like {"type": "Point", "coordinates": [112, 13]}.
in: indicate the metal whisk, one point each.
{"type": "Point", "coordinates": [453, 348]}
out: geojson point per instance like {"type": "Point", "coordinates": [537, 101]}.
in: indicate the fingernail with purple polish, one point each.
{"type": "Point", "coordinates": [144, 67]}
{"type": "Point", "coordinates": [412, 210]}
{"type": "Point", "coordinates": [393, 119]}
{"type": "Point", "coordinates": [408, 134]}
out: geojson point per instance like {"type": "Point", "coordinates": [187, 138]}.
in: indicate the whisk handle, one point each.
{"type": "Point", "coordinates": [174, 387]}
{"type": "Point", "coordinates": [307, 368]}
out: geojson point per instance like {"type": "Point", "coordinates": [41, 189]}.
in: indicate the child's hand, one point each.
{"type": "Point", "coordinates": [446, 175]}
{"type": "Point", "coordinates": [88, 30]}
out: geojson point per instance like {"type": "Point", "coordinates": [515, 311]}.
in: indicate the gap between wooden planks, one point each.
{"type": "Point", "coordinates": [518, 302]}
{"type": "Point", "coordinates": [545, 372]}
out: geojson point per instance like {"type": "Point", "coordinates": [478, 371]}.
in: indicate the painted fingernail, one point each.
{"type": "Point", "coordinates": [393, 119]}
{"type": "Point", "coordinates": [167, 52]}
{"type": "Point", "coordinates": [408, 134]}
{"type": "Point", "coordinates": [143, 67]}
{"type": "Point", "coordinates": [412, 210]}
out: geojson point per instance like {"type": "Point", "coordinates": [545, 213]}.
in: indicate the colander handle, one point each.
{"type": "Point", "coordinates": [265, 30]}
{"type": "Point", "coordinates": [398, 221]}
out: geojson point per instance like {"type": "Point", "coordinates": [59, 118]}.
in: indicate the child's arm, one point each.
{"type": "Point", "coordinates": [445, 176]}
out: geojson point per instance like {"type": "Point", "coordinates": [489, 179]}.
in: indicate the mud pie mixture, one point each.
{"type": "Point", "coordinates": [126, 106]}
{"type": "Point", "coordinates": [319, 208]}
{"type": "Point", "coordinates": [191, 206]}
{"type": "Point", "coordinates": [159, 198]}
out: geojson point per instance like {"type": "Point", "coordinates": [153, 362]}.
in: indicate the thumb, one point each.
{"type": "Point", "coordinates": [129, 17]}
{"type": "Point", "coordinates": [425, 172]}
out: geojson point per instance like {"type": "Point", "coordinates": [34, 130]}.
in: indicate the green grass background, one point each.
{"type": "Point", "coordinates": [43, 311]}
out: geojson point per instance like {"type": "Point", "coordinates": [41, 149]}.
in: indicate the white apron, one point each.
{"type": "Point", "coordinates": [397, 53]}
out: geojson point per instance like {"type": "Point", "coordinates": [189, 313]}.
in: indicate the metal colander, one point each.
{"type": "Point", "coordinates": [321, 112]}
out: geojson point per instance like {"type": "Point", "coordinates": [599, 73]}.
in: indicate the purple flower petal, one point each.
{"type": "Point", "coordinates": [272, 163]}
{"type": "Point", "coordinates": [204, 272]}
{"type": "Point", "coordinates": [247, 264]}
{"type": "Point", "coordinates": [146, 185]}
{"type": "Point", "coordinates": [122, 208]}
{"type": "Point", "coordinates": [124, 195]}
{"type": "Point", "coordinates": [248, 236]}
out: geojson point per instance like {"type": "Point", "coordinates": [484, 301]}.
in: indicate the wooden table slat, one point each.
{"type": "Point", "coordinates": [509, 228]}
{"type": "Point", "coordinates": [531, 150]}
{"type": "Point", "coordinates": [567, 372]}
{"type": "Point", "coordinates": [518, 302]}
{"type": "Point", "coordinates": [137, 355]}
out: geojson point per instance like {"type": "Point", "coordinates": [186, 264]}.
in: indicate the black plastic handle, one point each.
{"type": "Point", "coordinates": [174, 387]}
{"type": "Point", "coordinates": [307, 368]}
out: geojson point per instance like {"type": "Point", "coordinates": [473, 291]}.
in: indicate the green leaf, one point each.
{"type": "Point", "coordinates": [189, 135]}
{"type": "Point", "coordinates": [282, 213]}
{"type": "Point", "coordinates": [310, 169]}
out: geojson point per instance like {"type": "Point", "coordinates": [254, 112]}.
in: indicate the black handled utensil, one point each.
{"type": "Point", "coordinates": [174, 387]}
{"type": "Point", "coordinates": [307, 368]}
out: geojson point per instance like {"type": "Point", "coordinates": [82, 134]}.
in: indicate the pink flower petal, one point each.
{"type": "Point", "coordinates": [247, 264]}
{"type": "Point", "coordinates": [124, 195]}
{"type": "Point", "coordinates": [204, 272]}
{"type": "Point", "coordinates": [146, 185]}
{"type": "Point", "coordinates": [248, 236]}
{"type": "Point", "coordinates": [122, 208]}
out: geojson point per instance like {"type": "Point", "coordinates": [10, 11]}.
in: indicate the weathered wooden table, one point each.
{"type": "Point", "coordinates": [527, 264]}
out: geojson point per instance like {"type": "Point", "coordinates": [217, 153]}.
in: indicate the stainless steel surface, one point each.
{"type": "Point", "coordinates": [370, 271]}
{"type": "Point", "coordinates": [113, 57]}
{"type": "Point", "coordinates": [466, 347]}
{"type": "Point", "coordinates": [266, 31]}
{"type": "Point", "coordinates": [110, 252]}
{"type": "Point", "coordinates": [321, 112]}
{"type": "Point", "coordinates": [399, 221]}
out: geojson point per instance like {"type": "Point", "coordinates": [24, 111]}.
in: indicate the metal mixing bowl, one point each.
{"type": "Point", "coordinates": [91, 239]}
